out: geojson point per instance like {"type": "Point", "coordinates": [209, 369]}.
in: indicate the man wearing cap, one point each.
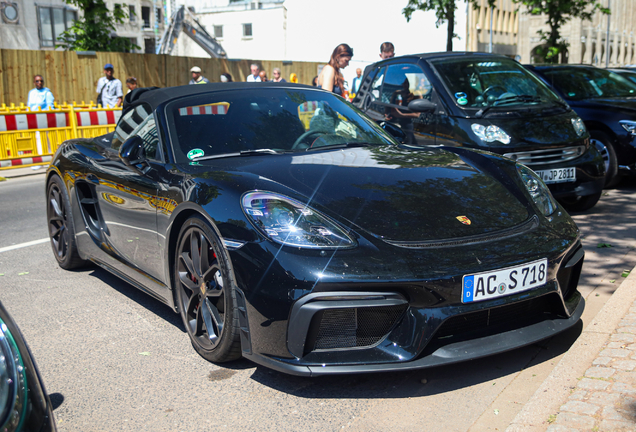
{"type": "Point", "coordinates": [109, 88]}
{"type": "Point", "coordinates": [197, 78]}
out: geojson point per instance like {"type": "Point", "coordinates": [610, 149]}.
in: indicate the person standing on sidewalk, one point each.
{"type": "Point", "coordinates": [331, 78]}
{"type": "Point", "coordinates": [197, 78]}
{"type": "Point", "coordinates": [254, 76]}
{"type": "Point", "coordinates": [109, 88]}
{"type": "Point", "coordinates": [387, 51]}
{"type": "Point", "coordinates": [277, 75]}
{"type": "Point", "coordinates": [40, 98]}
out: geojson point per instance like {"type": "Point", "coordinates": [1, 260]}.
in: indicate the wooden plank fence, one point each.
{"type": "Point", "coordinates": [72, 77]}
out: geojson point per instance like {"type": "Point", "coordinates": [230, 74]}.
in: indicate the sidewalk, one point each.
{"type": "Point", "coordinates": [593, 387]}
{"type": "Point", "coordinates": [22, 172]}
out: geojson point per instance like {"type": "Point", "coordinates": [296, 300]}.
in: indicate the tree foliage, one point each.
{"type": "Point", "coordinates": [559, 12]}
{"type": "Point", "coordinates": [444, 12]}
{"type": "Point", "coordinates": [95, 30]}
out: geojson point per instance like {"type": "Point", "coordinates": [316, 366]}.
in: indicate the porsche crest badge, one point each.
{"type": "Point", "coordinates": [464, 220]}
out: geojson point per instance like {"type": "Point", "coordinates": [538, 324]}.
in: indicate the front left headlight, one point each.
{"type": "Point", "coordinates": [490, 133]}
{"type": "Point", "coordinates": [579, 126]}
{"type": "Point", "coordinates": [629, 126]}
{"type": "Point", "coordinates": [13, 383]}
{"type": "Point", "coordinates": [538, 190]}
{"type": "Point", "coordinates": [292, 223]}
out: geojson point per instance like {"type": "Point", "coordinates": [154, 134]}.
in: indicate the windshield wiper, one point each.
{"type": "Point", "coordinates": [241, 153]}
{"type": "Point", "coordinates": [342, 145]}
{"type": "Point", "coordinates": [517, 98]}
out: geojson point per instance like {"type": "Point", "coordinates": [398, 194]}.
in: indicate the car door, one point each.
{"type": "Point", "coordinates": [127, 197]}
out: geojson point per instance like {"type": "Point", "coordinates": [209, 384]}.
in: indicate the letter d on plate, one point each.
{"type": "Point", "coordinates": [469, 283]}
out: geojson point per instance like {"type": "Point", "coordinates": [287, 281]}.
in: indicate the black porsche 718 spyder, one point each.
{"type": "Point", "coordinates": [287, 227]}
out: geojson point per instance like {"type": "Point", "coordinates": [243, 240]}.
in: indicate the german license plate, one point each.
{"type": "Point", "coordinates": [503, 282]}
{"type": "Point", "coordinates": [559, 175]}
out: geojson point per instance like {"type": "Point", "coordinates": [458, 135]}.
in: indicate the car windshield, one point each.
{"type": "Point", "coordinates": [488, 82]}
{"type": "Point", "coordinates": [585, 83]}
{"type": "Point", "coordinates": [266, 121]}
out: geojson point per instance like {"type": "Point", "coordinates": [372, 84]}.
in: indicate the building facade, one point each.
{"type": "Point", "coordinates": [515, 33]}
{"type": "Point", "coordinates": [27, 24]}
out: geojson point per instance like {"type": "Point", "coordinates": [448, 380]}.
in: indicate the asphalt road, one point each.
{"type": "Point", "coordinates": [113, 358]}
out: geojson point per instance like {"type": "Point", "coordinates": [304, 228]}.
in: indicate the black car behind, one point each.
{"type": "Point", "coordinates": [606, 101]}
{"type": "Point", "coordinates": [488, 102]}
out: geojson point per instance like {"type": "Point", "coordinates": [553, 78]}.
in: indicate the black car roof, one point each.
{"type": "Point", "coordinates": [156, 97]}
{"type": "Point", "coordinates": [428, 56]}
{"type": "Point", "coordinates": [560, 66]}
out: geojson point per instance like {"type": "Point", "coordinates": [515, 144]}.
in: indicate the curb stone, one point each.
{"type": "Point", "coordinates": [568, 377]}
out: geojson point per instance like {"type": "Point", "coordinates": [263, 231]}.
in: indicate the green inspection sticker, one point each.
{"type": "Point", "coordinates": [195, 153]}
{"type": "Point", "coordinates": [462, 101]}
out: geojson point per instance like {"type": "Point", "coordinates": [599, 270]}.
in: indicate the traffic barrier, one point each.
{"type": "Point", "coordinates": [30, 138]}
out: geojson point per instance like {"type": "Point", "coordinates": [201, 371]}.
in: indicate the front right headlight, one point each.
{"type": "Point", "coordinates": [292, 223]}
{"type": "Point", "coordinates": [538, 190]}
{"type": "Point", "coordinates": [13, 383]}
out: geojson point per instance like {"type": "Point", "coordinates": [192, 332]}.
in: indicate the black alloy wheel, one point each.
{"type": "Point", "coordinates": [60, 225]}
{"type": "Point", "coordinates": [603, 144]}
{"type": "Point", "coordinates": [205, 293]}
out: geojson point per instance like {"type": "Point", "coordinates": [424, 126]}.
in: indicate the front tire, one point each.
{"type": "Point", "coordinates": [61, 226]}
{"type": "Point", "coordinates": [603, 144]}
{"type": "Point", "coordinates": [205, 293]}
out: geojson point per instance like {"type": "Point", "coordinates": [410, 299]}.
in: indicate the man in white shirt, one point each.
{"type": "Point", "coordinates": [253, 77]}
{"type": "Point", "coordinates": [40, 98]}
{"type": "Point", "coordinates": [109, 88]}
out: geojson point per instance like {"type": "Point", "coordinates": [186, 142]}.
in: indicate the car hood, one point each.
{"type": "Point", "coordinates": [391, 192]}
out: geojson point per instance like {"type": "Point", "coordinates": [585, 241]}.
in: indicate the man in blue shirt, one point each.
{"type": "Point", "coordinates": [40, 98]}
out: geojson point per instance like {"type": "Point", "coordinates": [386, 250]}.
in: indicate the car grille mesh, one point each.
{"type": "Point", "coordinates": [547, 156]}
{"type": "Point", "coordinates": [509, 316]}
{"type": "Point", "coordinates": [356, 327]}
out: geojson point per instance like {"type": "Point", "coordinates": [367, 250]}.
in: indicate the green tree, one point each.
{"type": "Point", "coordinates": [444, 11]}
{"type": "Point", "coordinates": [95, 29]}
{"type": "Point", "coordinates": [559, 12]}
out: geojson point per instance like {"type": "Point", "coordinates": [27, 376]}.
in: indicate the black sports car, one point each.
{"type": "Point", "coordinates": [24, 404]}
{"type": "Point", "coordinates": [287, 227]}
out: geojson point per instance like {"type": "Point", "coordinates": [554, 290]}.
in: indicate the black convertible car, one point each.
{"type": "Point", "coordinates": [287, 227]}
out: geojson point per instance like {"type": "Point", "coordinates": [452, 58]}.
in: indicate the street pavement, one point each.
{"type": "Point", "coordinates": [115, 359]}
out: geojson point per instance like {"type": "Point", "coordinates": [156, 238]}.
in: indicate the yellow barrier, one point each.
{"type": "Point", "coordinates": [30, 138]}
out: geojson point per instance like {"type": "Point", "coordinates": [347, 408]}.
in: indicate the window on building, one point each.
{"type": "Point", "coordinates": [117, 7]}
{"type": "Point", "coordinates": [149, 46]}
{"type": "Point", "coordinates": [247, 30]}
{"type": "Point", "coordinates": [158, 14]}
{"type": "Point", "coordinates": [218, 31]}
{"type": "Point", "coordinates": [54, 21]}
{"type": "Point", "coordinates": [131, 13]}
{"type": "Point", "coordinates": [145, 16]}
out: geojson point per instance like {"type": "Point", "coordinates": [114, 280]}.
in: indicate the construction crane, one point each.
{"type": "Point", "coordinates": [183, 19]}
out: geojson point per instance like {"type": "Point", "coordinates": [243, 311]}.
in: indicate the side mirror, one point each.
{"type": "Point", "coordinates": [421, 105]}
{"type": "Point", "coordinates": [131, 151]}
{"type": "Point", "coordinates": [394, 131]}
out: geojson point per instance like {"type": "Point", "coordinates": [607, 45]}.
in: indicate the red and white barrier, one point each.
{"type": "Point", "coordinates": [15, 122]}
{"type": "Point", "coordinates": [97, 118]}
{"type": "Point", "coordinates": [24, 161]}
{"type": "Point", "coordinates": [203, 110]}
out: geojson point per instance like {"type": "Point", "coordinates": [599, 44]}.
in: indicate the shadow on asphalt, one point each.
{"type": "Point", "coordinates": [57, 399]}
{"type": "Point", "coordinates": [135, 294]}
{"type": "Point", "coordinates": [600, 224]}
{"type": "Point", "coordinates": [440, 379]}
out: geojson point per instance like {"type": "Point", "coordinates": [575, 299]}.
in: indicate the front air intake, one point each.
{"type": "Point", "coordinates": [352, 327]}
